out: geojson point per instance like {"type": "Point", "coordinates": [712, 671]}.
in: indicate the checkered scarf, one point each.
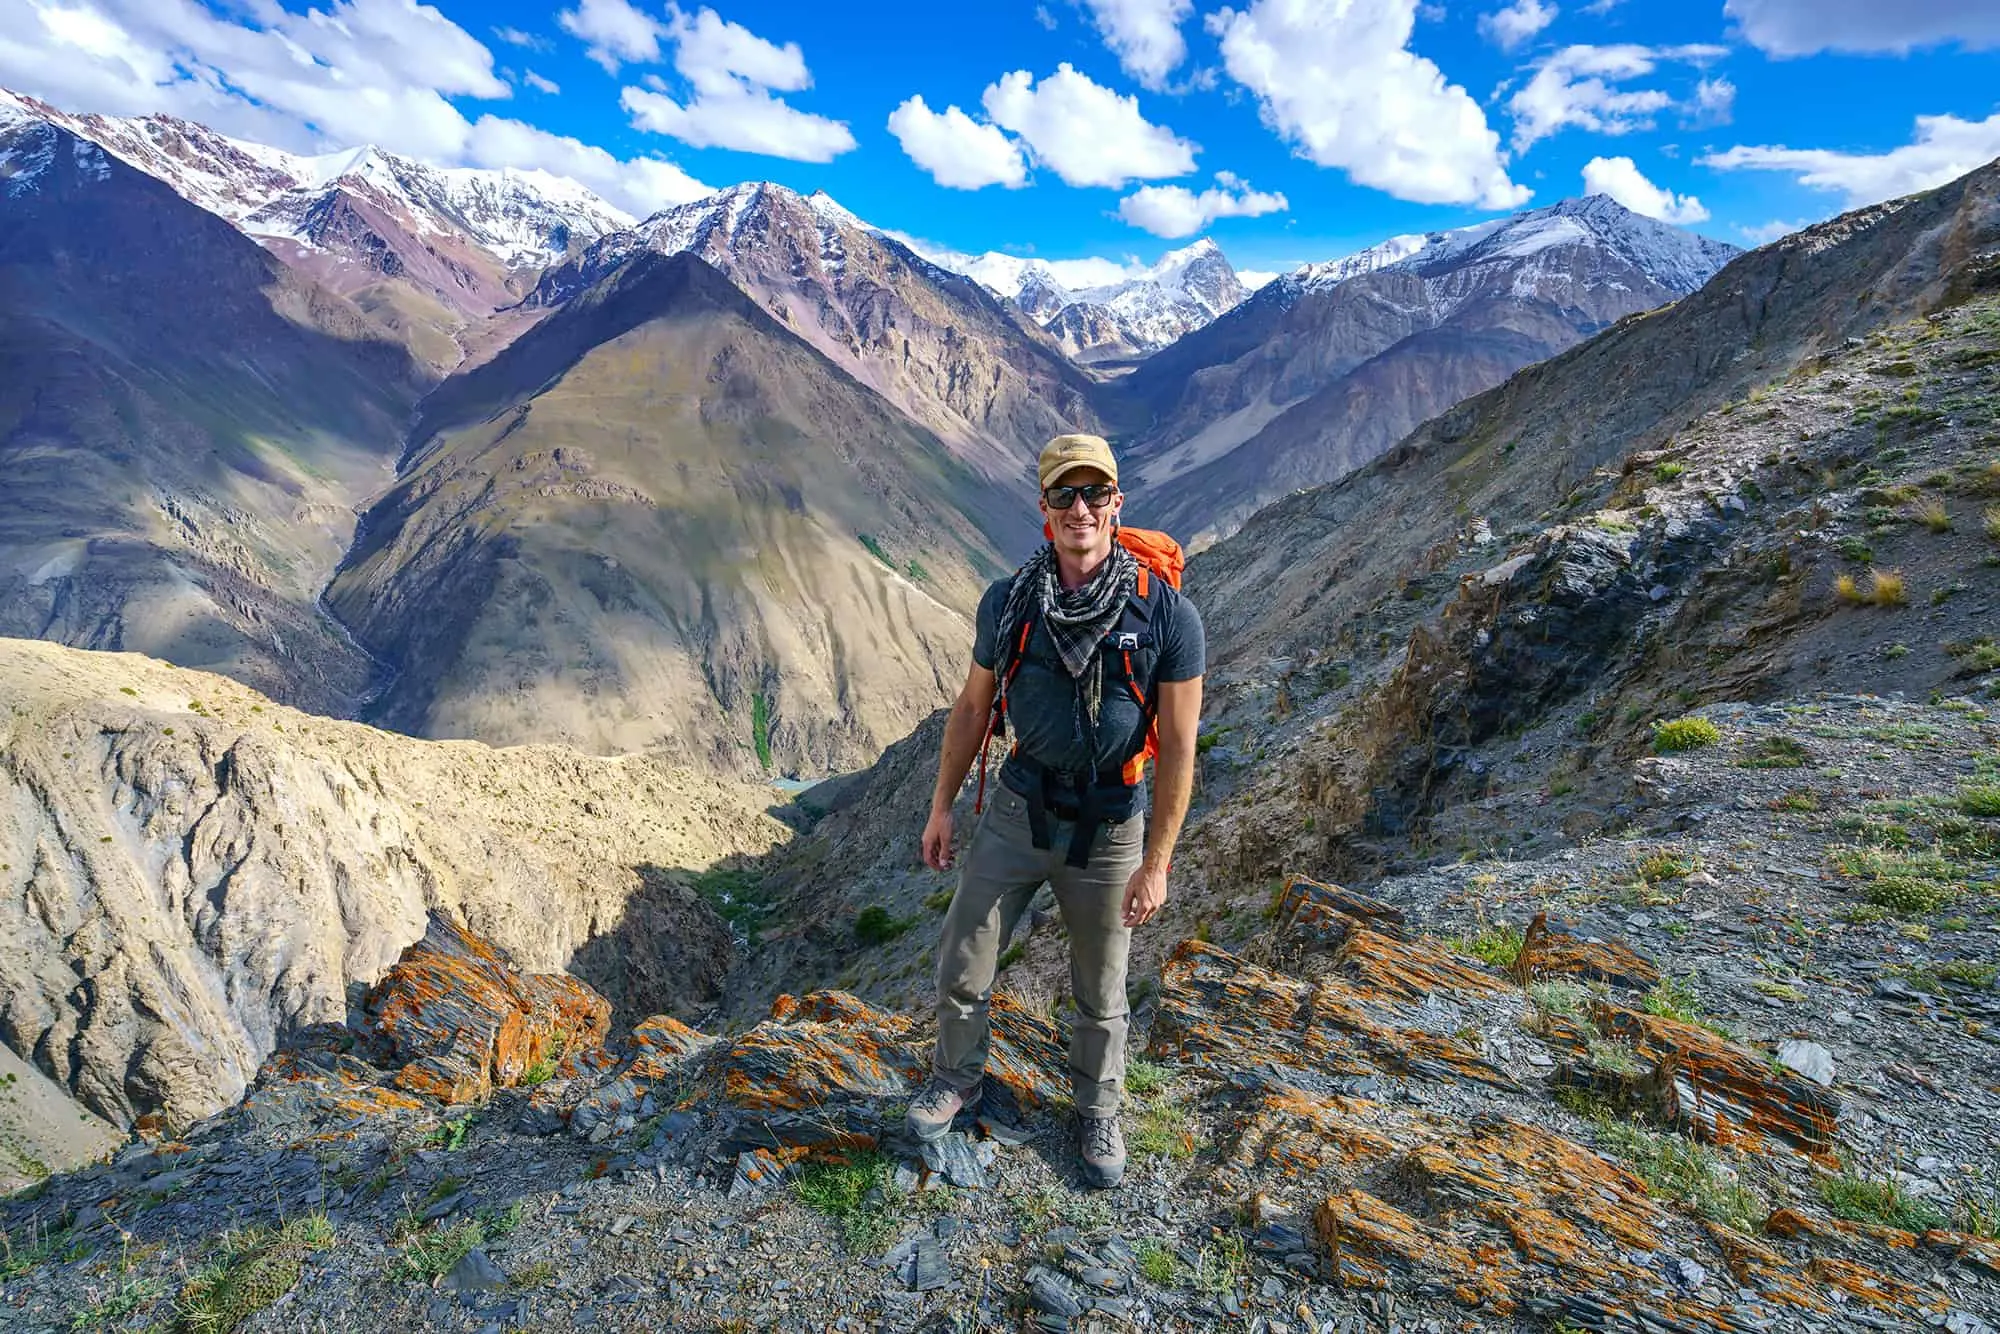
{"type": "Point", "coordinates": [1078, 619]}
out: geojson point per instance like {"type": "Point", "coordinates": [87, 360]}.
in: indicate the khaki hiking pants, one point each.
{"type": "Point", "coordinates": [997, 877]}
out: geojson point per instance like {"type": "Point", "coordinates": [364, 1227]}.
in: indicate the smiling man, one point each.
{"type": "Point", "coordinates": [1082, 652]}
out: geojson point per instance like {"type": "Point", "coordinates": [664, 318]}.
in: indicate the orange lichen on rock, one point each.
{"type": "Point", "coordinates": [1551, 951]}
{"type": "Point", "coordinates": [1762, 1270]}
{"type": "Point", "coordinates": [461, 1019]}
{"type": "Point", "coordinates": [1296, 1136]}
{"type": "Point", "coordinates": [1873, 1289]}
{"type": "Point", "coordinates": [1218, 1010]}
{"type": "Point", "coordinates": [1980, 1251]}
{"type": "Point", "coordinates": [1792, 1223]}
{"type": "Point", "coordinates": [1027, 1053]}
{"type": "Point", "coordinates": [1409, 969]}
{"type": "Point", "coordinates": [1370, 1242]}
{"type": "Point", "coordinates": [1322, 915]}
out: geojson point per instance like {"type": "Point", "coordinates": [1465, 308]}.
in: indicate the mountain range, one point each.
{"type": "Point", "coordinates": [724, 483]}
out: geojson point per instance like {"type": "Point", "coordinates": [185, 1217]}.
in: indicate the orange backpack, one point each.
{"type": "Point", "coordinates": [1158, 554]}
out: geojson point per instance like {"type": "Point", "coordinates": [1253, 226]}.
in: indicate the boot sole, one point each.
{"type": "Point", "coordinates": [1103, 1178]}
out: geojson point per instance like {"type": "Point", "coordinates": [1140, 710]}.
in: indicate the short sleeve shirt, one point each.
{"type": "Point", "coordinates": [1044, 708]}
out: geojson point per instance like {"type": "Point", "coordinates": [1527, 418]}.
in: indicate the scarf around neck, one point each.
{"type": "Point", "coordinates": [1078, 618]}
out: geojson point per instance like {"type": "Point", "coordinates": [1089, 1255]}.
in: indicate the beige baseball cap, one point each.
{"type": "Point", "coordinates": [1066, 453]}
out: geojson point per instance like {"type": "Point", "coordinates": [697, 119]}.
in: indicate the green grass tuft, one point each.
{"type": "Point", "coordinates": [875, 925]}
{"type": "Point", "coordinates": [1499, 946]}
{"type": "Point", "coordinates": [1860, 1199]}
{"type": "Point", "coordinates": [254, 1268]}
{"type": "Point", "coordinates": [1982, 802]}
{"type": "Point", "coordinates": [1684, 734]}
{"type": "Point", "coordinates": [851, 1193]}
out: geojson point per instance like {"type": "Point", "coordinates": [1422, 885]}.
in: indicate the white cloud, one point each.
{"type": "Point", "coordinates": [615, 31]}
{"type": "Point", "coordinates": [1145, 35]}
{"type": "Point", "coordinates": [540, 84]}
{"type": "Point", "coordinates": [1574, 86]}
{"type": "Point", "coordinates": [1516, 24]}
{"type": "Point", "coordinates": [958, 151]}
{"type": "Point", "coordinates": [1803, 27]}
{"type": "Point", "coordinates": [1713, 102]}
{"type": "Point", "coordinates": [1944, 149]}
{"type": "Point", "coordinates": [1766, 232]}
{"type": "Point", "coordinates": [1621, 178]}
{"type": "Point", "coordinates": [352, 72]}
{"type": "Point", "coordinates": [733, 74]}
{"type": "Point", "coordinates": [515, 37]}
{"type": "Point", "coordinates": [1253, 279]}
{"type": "Point", "coordinates": [1175, 210]}
{"type": "Point", "coordinates": [1084, 132]}
{"type": "Point", "coordinates": [1340, 83]}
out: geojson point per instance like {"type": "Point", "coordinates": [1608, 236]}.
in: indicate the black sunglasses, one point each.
{"type": "Point", "coordinates": [1097, 495]}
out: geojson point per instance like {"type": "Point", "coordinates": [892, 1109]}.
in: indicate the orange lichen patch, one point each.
{"type": "Point", "coordinates": [837, 1007]}
{"type": "Point", "coordinates": [1322, 915]}
{"type": "Point", "coordinates": [1551, 951]}
{"type": "Point", "coordinates": [1963, 1246]}
{"type": "Point", "coordinates": [1027, 1053]}
{"type": "Point", "coordinates": [1409, 969]}
{"type": "Point", "coordinates": [667, 1036]}
{"type": "Point", "coordinates": [800, 1066]}
{"type": "Point", "coordinates": [461, 1018]}
{"type": "Point", "coordinates": [1873, 1289]}
{"type": "Point", "coordinates": [1763, 1271]}
{"type": "Point", "coordinates": [1791, 1223]}
{"type": "Point", "coordinates": [1522, 1168]}
{"type": "Point", "coordinates": [1294, 1136]}
{"type": "Point", "coordinates": [1371, 1242]}
{"type": "Point", "coordinates": [1218, 1011]}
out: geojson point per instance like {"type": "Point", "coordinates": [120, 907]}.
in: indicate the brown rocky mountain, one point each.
{"type": "Point", "coordinates": [185, 426]}
{"type": "Point", "coordinates": [661, 520]}
{"type": "Point", "coordinates": [936, 344]}
{"type": "Point", "coordinates": [189, 872]}
{"type": "Point", "coordinates": [1325, 368]}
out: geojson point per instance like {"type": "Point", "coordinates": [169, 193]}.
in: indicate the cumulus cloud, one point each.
{"type": "Point", "coordinates": [1517, 24]}
{"type": "Point", "coordinates": [1175, 210]}
{"type": "Point", "coordinates": [1803, 27]}
{"type": "Point", "coordinates": [1713, 102]}
{"type": "Point", "coordinates": [1340, 83]}
{"type": "Point", "coordinates": [1621, 178]}
{"type": "Point", "coordinates": [1576, 86]}
{"type": "Point", "coordinates": [1145, 35]}
{"type": "Point", "coordinates": [352, 72]}
{"type": "Point", "coordinates": [1253, 279]}
{"type": "Point", "coordinates": [1084, 132]}
{"type": "Point", "coordinates": [540, 84]}
{"type": "Point", "coordinates": [614, 31]}
{"type": "Point", "coordinates": [958, 151]}
{"type": "Point", "coordinates": [1943, 149]}
{"type": "Point", "coordinates": [734, 76]}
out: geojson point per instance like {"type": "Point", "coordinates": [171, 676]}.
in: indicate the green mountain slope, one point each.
{"type": "Point", "coordinates": [661, 520]}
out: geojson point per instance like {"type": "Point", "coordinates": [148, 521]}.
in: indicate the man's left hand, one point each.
{"type": "Point", "coordinates": [1145, 892]}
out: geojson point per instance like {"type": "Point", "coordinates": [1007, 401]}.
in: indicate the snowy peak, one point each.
{"type": "Point", "coordinates": [520, 217]}
{"type": "Point", "coordinates": [1672, 257]}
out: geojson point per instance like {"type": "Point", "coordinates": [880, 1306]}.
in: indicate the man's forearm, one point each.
{"type": "Point", "coordinates": [1173, 785]}
{"type": "Point", "coordinates": [963, 732]}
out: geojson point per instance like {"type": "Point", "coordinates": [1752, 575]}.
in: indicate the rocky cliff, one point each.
{"type": "Point", "coordinates": [189, 872]}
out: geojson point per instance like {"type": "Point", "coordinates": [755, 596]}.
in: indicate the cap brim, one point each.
{"type": "Point", "coordinates": [1068, 468]}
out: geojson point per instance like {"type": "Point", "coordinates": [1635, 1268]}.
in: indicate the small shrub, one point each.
{"type": "Point", "coordinates": [939, 901]}
{"type": "Point", "coordinates": [1906, 894]}
{"type": "Point", "coordinates": [1886, 589]}
{"type": "Point", "coordinates": [874, 925]}
{"type": "Point", "coordinates": [1965, 972]}
{"type": "Point", "coordinates": [1933, 515]}
{"type": "Point", "coordinates": [1856, 550]}
{"type": "Point", "coordinates": [1799, 799]}
{"type": "Point", "coordinates": [1847, 589]}
{"type": "Point", "coordinates": [1684, 734]}
{"type": "Point", "coordinates": [1144, 1078]}
{"type": "Point", "coordinates": [1667, 864]}
{"type": "Point", "coordinates": [1777, 752]}
{"type": "Point", "coordinates": [1983, 802]}
{"type": "Point", "coordinates": [1674, 998]}
{"type": "Point", "coordinates": [1990, 523]}
{"type": "Point", "coordinates": [1157, 1264]}
{"type": "Point", "coordinates": [1559, 998]}
{"type": "Point", "coordinates": [253, 1270]}
{"type": "Point", "coordinates": [1496, 945]}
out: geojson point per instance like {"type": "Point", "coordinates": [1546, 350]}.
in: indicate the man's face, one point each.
{"type": "Point", "coordinates": [1081, 530]}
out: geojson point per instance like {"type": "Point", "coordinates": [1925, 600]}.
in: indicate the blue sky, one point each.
{"type": "Point", "coordinates": [1289, 130]}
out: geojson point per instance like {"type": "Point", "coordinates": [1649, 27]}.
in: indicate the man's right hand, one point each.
{"type": "Point", "coordinates": [937, 841]}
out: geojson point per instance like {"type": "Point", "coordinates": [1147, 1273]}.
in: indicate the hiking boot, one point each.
{"type": "Point", "coordinates": [1101, 1150]}
{"type": "Point", "coordinates": [931, 1112]}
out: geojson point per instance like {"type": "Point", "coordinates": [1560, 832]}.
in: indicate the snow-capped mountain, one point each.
{"type": "Point", "coordinates": [1124, 319]}
{"type": "Point", "coordinates": [520, 218]}
{"type": "Point", "coordinates": [1672, 257]}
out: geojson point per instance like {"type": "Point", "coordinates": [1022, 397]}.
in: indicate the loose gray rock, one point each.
{"type": "Point", "coordinates": [1809, 1059]}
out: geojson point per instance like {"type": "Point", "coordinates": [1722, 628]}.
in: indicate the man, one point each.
{"type": "Point", "coordinates": [1083, 648]}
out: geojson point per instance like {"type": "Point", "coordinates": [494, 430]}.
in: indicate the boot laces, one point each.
{"type": "Point", "coordinates": [1100, 1136]}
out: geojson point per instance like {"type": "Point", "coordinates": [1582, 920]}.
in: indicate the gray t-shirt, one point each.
{"type": "Point", "coordinates": [1042, 706]}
